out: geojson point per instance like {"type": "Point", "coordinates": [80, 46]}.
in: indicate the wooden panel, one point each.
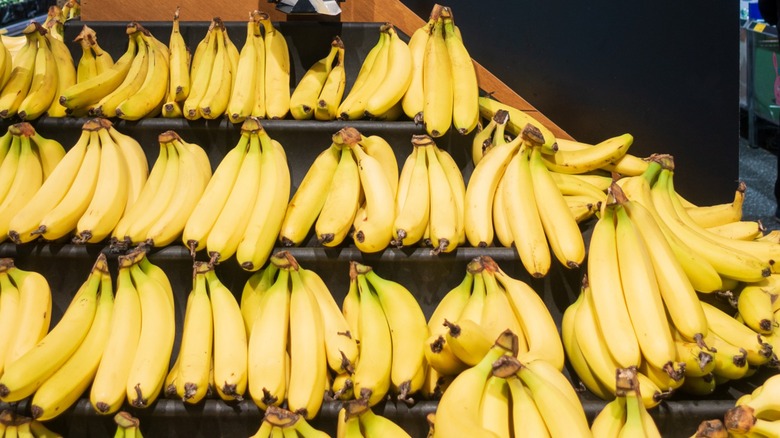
{"type": "Point", "coordinates": [392, 11]}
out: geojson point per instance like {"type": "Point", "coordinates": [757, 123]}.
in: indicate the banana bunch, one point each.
{"type": "Point", "coordinates": [357, 420]}
{"type": "Point", "coordinates": [281, 422]}
{"type": "Point", "coordinates": [127, 426]}
{"type": "Point", "coordinates": [27, 159]}
{"type": "Point", "coordinates": [504, 396]}
{"type": "Point", "coordinates": [213, 343]}
{"type": "Point", "coordinates": [350, 185]}
{"type": "Point", "coordinates": [94, 60]}
{"type": "Point", "coordinates": [86, 194]}
{"type": "Point", "coordinates": [178, 72]}
{"type": "Point", "coordinates": [243, 205]}
{"type": "Point", "coordinates": [485, 304]}
{"type": "Point", "coordinates": [321, 88]}
{"type": "Point", "coordinates": [296, 334]}
{"type": "Point", "coordinates": [70, 10]}
{"type": "Point", "coordinates": [175, 185]}
{"type": "Point", "coordinates": [14, 425]}
{"type": "Point", "coordinates": [430, 198]}
{"type": "Point", "coordinates": [32, 85]}
{"type": "Point", "coordinates": [54, 22]}
{"type": "Point", "coordinates": [514, 196]}
{"type": "Point", "coordinates": [390, 326]}
{"type": "Point", "coordinates": [443, 91]}
{"type": "Point", "coordinates": [626, 415]}
{"type": "Point", "coordinates": [133, 87]}
{"type": "Point", "coordinates": [60, 366]}
{"type": "Point", "coordinates": [139, 336]}
{"type": "Point", "coordinates": [756, 413]}
{"type": "Point", "coordinates": [25, 311]}
{"type": "Point", "coordinates": [214, 65]}
{"type": "Point", "coordinates": [382, 80]}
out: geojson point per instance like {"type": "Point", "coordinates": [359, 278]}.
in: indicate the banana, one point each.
{"type": "Point", "coordinates": [103, 59]}
{"type": "Point", "coordinates": [18, 84]}
{"type": "Point", "coordinates": [108, 387]}
{"type": "Point", "coordinates": [135, 157]}
{"type": "Point", "coordinates": [150, 363]}
{"type": "Point", "coordinates": [33, 313]}
{"type": "Point", "coordinates": [9, 311]}
{"type": "Point", "coordinates": [132, 83]}
{"type": "Point", "coordinates": [340, 345]}
{"type": "Point", "coordinates": [458, 413]}
{"type": "Point", "coordinates": [497, 313]}
{"type": "Point", "coordinates": [561, 229]}
{"type": "Point", "coordinates": [195, 350]}
{"type": "Point", "coordinates": [214, 198]}
{"type": "Point", "coordinates": [526, 418]}
{"type": "Point", "coordinates": [412, 102]}
{"type": "Point", "coordinates": [409, 331]}
{"type": "Point", "coordinates": [264, 223]}
{"type": "Point", "coordinates": [200, 73]}
{"type": "Point", "coordinates": [50, 151]}
{"type": "Point", "coordinates": [242, 94]}
{"type": "Point", "coordinates": [412, 213]}
{"type": "Point", "coordinates": [465, 104]}
{"type": "Point", "coordinates": [754, 304]}
{"type": "Point", "coordinates": [179, 63]}
{"type": "Point", "coordinates": [230, 341]}
{"type": "Point", "coordinates": [677, 292]}
{"type": "Point", "coordinates": [642, 294]}
{"type": "Point", "coordinates": [518, 120]}
{"type": "Point", "coordinates": [728, 262]}
{"type": "Point", "coordinates": [397, 77]}
{"type": "Point", "coordinates": [329, 98]}
{"type": "Point", "coordinates": [638, 421]}
{"type": "Point", "coordinates": [372, 73]}
{"type": "Point", "coordinates": [54, 188]}
{"type": "Point", "coordinates": [610, 420]}
{"type": "Point", "coordinates": [480, 192]}
{"type": "Point", "coordinates": [719, 214]}
{"type": "Point", "coordinates": [730, 361]}
{"type": "Point", "coordinates": [740, 230]}
{"type": "Point", "coordinates": [303, 100]}
{"type": "Point", "coordinates": [697, 358]}
{"type": "Point", "coordinates": [523, 216]}
{"type": "Point", "coordinates": [67, 384]}
{"type": "Point", "coordinates": [494, 408]}
{"type": "Point", "coordinates": [152, 92]}
{"type": "Point", "coordinates": [6, 64]}
{"type": "Point", "coordinates": [258, 108]}
{"type": "Point", "coordinates": [441, 361]}
{"type": "Point", "coordinates": [377, 425]}
{"type": "Point", "coordinates": [608, 297]}
{"type": "Point", "coordinates": [372, 376]}
{"type": "Point", "coordinates": [561, 415]}
{"type": "Point", "coordinates": [5, 144]}
{"type": "Point", "coordinates": [277, 72]}
{"type": "Point", "coordinates": [340, 203]}
{"type": "Point", "coordinates": [225, 236]}
{"type": "Point", "coordinates": [110, 197]}
{"type": "Point", "coordinates": [9, 166]}
{"type": "Point", "coordinates": [308, 365]}
{"type": "Point", "coordinates": [267, 345]}
{"type": "Point", "coordinates": [44, 82]}
{"type": "Point", "coordinates": [373, 231]}
{"type": "Point", "coordinates": [217, 95]}
{"type": "Point", "coordinates": [438, 83]}
{"type": "Point", "coordinates": [591, 158]}
{"type": "Point", "coordinates": [576, 185]}
{"type": "Point", "coordinates": [63, 217]}
{"type": "Point", "coordinates": [25, 375]}
{"type": "Point", "coordinates": [444, 212]}
{"type": "Point", "coordinates": [308, 200]}
{"type": "Point", "coordinates": [467, 339]}
{"type": "Point", "coordinates": [350, 306]}
{"type": "Point", "coordinates": [27, 180]}
{"type": "Point", "coordinates": [380, 149]}
{"type": "Point", "coordinates": [483, 139]}
{"type": "Point", "coordinates": [191, 182]}
{"type": "Point", "coordinates": [85, 93]}
{"type": "Point", "coordinates": [500, 220]}
{"type": "Point", "coordinates": [163, 196]}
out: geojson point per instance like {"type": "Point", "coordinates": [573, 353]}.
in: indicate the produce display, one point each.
{"type": "Point", "coordinates": [346, 298]}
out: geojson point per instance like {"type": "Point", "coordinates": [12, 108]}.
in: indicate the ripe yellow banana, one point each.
{"type": "Point", "coordinates": [195, 350]}
{"type": "Point", "coordinates": [33, 313]}
{"type": "Point", "coordinates": [49, 151]}
{"type": "Point", "coordinates": [465, 90]}
{"type": "Point", "coordinates": [309, 198]}
{"type": "Point", "coordinates": [380, 149]}
{"type": "Point", "coordinates": [398, 75]}
{"type": "Point", "coordinates": [242, 94]}
{"type": "Point", "coordinates": [18, 84]}
{"type": "Point", "coordinates": [329, 99]}
{"type": "Point", "coordinates": [27, 180]}
{"type": "Point", "coordinates": [734, 332]}
{"type": "Point", "coordinates": [438, 83]}
{"type": "Point", "coordinates": [264, 223]}
{"type": "Point", "coordinates": [372, 73]}
{"type": "Point", "coordinates": [497, 313]}
{"type": "Point", "coordinates": [303, 100]}
{"type": "Point", "coordinates": [444, 212]}
{"type": "Point", "coordinates": [584, 160]}
{"type": "Point", "coordinates": [754, 304]}
{"type": "Point", "coordinates": [740, 230]}
{"type": "Point", "coordinates": [720, 214]}
{"type": "Point", "coordinates": [277, 72]}
{"type": "Point", "coordinates": [412, 102]}
{"type": "Point", "coordinates": [412, 213]}
{"type": "Point", "coordinates": [217, 95]}
{"type": "Point", "coordinates": [201, 70]}
{"type": "Point", "coordinates": [9, 311]}
{"type": "Point", "coordinates": [136, 75]}
{"type": "Point", "coordinates": [66, 385]}
{"type": "Point", "coordinates": [214, 198]}
{"type": "Point", "coordinates": [25, 375]}
{"type": "Point", "coordinates": [151, 95]}
{"type": "Point", "coordinates": [44, 82]}
{"type": "Point", "coordinates": [518, 119]}
{"type": "Point", "coordinates": [135, 157]}
{"type": "Point", "coordinates": [179, 62]}
{"type": "Point", "coordinates": [108, 387]}
{"type": "Point", "coordinates": [372, 376]}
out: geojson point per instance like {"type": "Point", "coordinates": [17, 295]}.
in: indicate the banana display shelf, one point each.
{"type": "Point", "coordinates": [427, 276]}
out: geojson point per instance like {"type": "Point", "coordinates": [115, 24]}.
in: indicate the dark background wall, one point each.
{"type": "Point", "coordinates": [665, 71]}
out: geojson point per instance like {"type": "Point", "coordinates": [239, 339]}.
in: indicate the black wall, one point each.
{"type": "Point", "coordinates": [666, 71]}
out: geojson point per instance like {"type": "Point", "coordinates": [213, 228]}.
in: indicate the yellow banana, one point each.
{"type": "Point", "coordinates": [497, 313]}
{"type": "Point", "coordinates": [9, 311]}
{"type": "Point", "coordinates": [179, 63]}
{"type": "Point", "coordinates": [591, 158]}
{"type": "Point", "coordinates": [720, 214]}
{"type": "Point", "coordinates": [412, 213]}
{"type": "Point", "coordinates": [754, 304]}
{"type": "Point", "coordinates": [135, 159]}
{"type": "Point", "coordinates": [398, 75]}
{"type": "Point", "coordinates": [740, 230]}
{"type": "Point", "coordinates": [195, 350]}
{"type": "Point", "coordinates": [33, 313]}
{"type": "Point", "coordinates": [200, 73]}
{"type": "Point", "coordinates": [44, 83]}
{"type": "Point", "coordinates": [277, 72]}
{"type": "Point", "coordinates": [438, 83]}
{"type": "Point", "coordinates": [152, 92]}
{"type": "Point", "coordinates": [217, 95]}
{"type": "Point", "coordinates": [372, 376]}
{"type": "Point", "coordinates": [444, 212]}
{"type": "Point", "coordinates": [494, 408]}
{"type": "Point", "coordinates": [329, 99]}
{"type": "Point", "coordinates": [412, 102]}
{"type": "Point", "coordinates": [18, 84]}
{"type": "Point", "coordinates": [303, 100]}
{"type": "Point", "coordinates": [50, 152]}
{"type": "Point", "coordinates": [465, 90]}
{"type": "Point", "coordinates": [518, 120]}
{"type": "Point", "coordinates": [242, 94]}
{"type": "Point", "coordinates": [734, 332]}
{"type": "Point", "coordinates": [371, 74]}
{"type": "Point", "coordinates": [106, 107]}
{"type": "Point", "coordinates": [340, 203]}
{"type": "Point", "coordinates": [380, 149]}
{"type": "Point", "coordinates": [27, 180]}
